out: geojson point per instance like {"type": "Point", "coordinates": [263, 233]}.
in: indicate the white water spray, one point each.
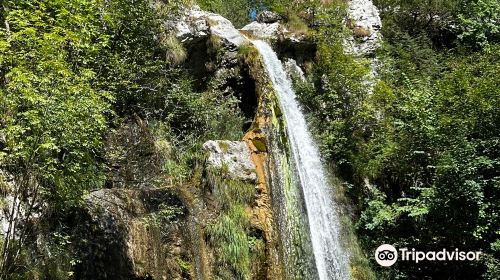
{"type": "Point", "coordinates": [331, 260]}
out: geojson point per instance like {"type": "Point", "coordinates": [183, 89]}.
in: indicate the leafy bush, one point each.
{"type": "Point", "coordinates": [71, 71]}
{"type": "Point", "coordinates": [237, 11]}
{"type": "Point", "coordinates": [420, 151]}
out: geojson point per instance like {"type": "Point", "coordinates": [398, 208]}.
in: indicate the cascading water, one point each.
{"type": "Point", "coordinates": [331, 260]}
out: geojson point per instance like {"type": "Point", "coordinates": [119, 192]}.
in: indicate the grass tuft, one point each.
{"type": "Point", "coordinates": [175, 52]}
{"type": "Point", "coordinates": [297, 26]}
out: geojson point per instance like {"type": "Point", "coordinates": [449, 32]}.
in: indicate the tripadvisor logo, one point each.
{"type": "Point", "coordinates": [387, 255]}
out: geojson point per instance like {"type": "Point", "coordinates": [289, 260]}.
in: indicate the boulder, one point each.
{"type": "Point", "coordinates": [263, 30]}
{"type": "Point", "coordinates": [268, 17]}
{"type": "Point", "coordinates": [233, 157]}
{"type": "Point", "coordinates": [196, 23]}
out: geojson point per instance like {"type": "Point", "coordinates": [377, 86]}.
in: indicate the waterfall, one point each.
{"type": "Point", "coordinates": [324, 225]}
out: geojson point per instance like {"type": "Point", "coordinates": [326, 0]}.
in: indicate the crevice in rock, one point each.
{"type": "Point", "coordinates": [245, 90]}
{"type": "Point", "coordinates": [196, 63]}
{"type": "Point", "coordinates": [301, 51]}
{"type": "Point", "coordinates": [231, 77]}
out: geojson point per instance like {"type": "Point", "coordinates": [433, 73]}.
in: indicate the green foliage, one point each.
{"type": "Point", "coordinates": [184, 265]}
{"type": "Point", "coordinates": [231, 244]}
{"type": "Point", "coordinates": [435, 20]}
{"type": "Point", "coordinates": [237, 11]}
{"type": "Point", "coordinates": [165, 215]}
{"type": "Point", "coordinates": [421, 151]}
{"type": "Point", "coordinates": [52, 116]}
{"type": "Point", "coordinates": [59, 263]}
{"type": "Point", "coordinates": [69, 72]}
{"type": "Point", "coordinates": [238, 254]}
{"type": "Point", "coordinates": [479, 23]}
{"type": "Point", "coordinates": [54, 260]}
{"type": "Point", "coordinates": [334, 92]}
{"type": "Point", "coordinates": [297, 26]}
{"type": "Point", "coordinates": [473, 22]}
{"type": "Point", "coordinates": [432, 153]}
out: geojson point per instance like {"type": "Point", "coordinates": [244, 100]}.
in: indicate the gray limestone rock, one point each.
{"type": "Point", "coordinates": [196, 23]}
{"type": "Point", "coordinates": [233, 157]}
{"type": "Point", "coordinates": [366, 24]}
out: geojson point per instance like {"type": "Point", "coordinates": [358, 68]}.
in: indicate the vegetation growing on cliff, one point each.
{"type": "Point", "coordinates": [426, 138]}
{"type": "Point", "coordinates": [420, 154]}
{"type": "Point", "coordinates": [71, 72]}
{"type": "Point", "coordinates": [237, 254]}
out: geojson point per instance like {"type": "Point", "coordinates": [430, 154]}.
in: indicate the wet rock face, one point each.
{"type": "Point", "coordinates": [364, 21]}
{"type": "Point", "coordinates": [287, 44]}
{"type": "Point", "coordinates": [293, 70]}
{"type": "Point", "coordinates": [234, 156]}
{"type": "Point", "coordinates": [268, 17]}
{"type": "Point", "coordinates": [130, 234]}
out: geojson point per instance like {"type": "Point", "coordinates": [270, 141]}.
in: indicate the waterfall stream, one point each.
{"type": "Point", "coordinates": [324, 224]}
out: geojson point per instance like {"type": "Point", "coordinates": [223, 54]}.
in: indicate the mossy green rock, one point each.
{"type": "Point", "coordinates": [260, 145]}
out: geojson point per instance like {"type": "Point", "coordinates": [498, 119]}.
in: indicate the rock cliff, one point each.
{"type": "Point", "coordinates": [241, 217]}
